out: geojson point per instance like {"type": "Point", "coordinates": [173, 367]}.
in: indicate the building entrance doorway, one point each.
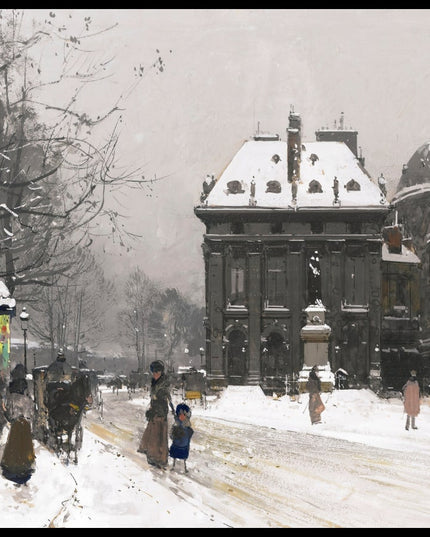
{"type": "Point", "coordinates": [236, 357]}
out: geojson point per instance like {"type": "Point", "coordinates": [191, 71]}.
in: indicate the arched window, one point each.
{"type": "Point", "coordinates": [237, 280]}
{"type": "Point", "coordinates": [276, 278]}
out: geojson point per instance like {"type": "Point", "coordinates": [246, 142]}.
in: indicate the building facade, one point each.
{"type": "Point", "coordinates": [412, 203]}
{"type": "Point", "coordinates": [289, 224]}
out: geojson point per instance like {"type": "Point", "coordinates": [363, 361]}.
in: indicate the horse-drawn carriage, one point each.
{"type": "Point", "coordinates": [59, 407]}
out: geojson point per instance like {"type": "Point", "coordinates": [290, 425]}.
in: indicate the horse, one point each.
{"type": "Point", "coordinates": [66, 404]}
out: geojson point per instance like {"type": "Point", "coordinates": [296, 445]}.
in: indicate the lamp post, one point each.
{"type": "Point", "coordinates": [24, 316]}
{"type": "Point", "coordinates": [187, 352]}
{"type": "Point", "coordinates": [202, 351]}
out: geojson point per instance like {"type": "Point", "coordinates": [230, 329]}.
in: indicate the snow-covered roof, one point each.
{"type": "Point", "coordinates": [406, 255]}
{"type": "Point", "coordinates": [5, 299]}
{"type": "Point", "coordinates": [265, 160]}
{"type": "Point", "coordinates": [4, 291]}
{"type": "Point", "coordinates": [410, 191]}
{"type": "Point", "coordinates": [417, 170]}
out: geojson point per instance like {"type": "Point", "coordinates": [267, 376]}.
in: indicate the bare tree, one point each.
{"type": "Point", "coordinates": [58, 163]}
{"type": "Point", "coordinates": [176, 311]}
{"type": "Point", "coordinates": [73, 312]}
{"type": "Point", "coordinates": [141, 294]}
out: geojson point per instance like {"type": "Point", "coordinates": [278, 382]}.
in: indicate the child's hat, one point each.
{"type": "Point", "coordinates": [184, 408]}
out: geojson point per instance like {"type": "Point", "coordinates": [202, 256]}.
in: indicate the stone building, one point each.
{"type": "Point", "coordinates": [412, 203]}
{"type": "Point", "coordinates": [291, 224]}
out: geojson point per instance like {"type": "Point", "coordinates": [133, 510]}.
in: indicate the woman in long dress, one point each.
{"type": "Point", "coordinates": [18, 456]}
{"type": "Point", "coordinates": [154, 442]}
{"type": "Point", "coordinates": [316, 406]}
{"type": "Point", "coordinates": [411, 400]}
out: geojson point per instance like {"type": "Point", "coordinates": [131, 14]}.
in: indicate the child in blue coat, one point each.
{"type": "Point", "coordinates": [181, 434]}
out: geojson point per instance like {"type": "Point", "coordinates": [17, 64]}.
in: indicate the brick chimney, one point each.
{"type": "Point", "coordinates": [393, 236]}
{"type": "Point", "coordinates": [340, 134]}
{"type": "Point", "coordinates": [294, 146]}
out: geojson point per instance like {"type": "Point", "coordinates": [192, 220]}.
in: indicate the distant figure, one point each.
{"type": "Point", "coordinates": [294, 191]}
{"type": "Point", "coordinates": [336, 189]}
{"type": "Point", "coordinates": [411, 400]}
{"type": "Point", "coordinates": [382, 185]}
{"type": "Point", "coordinates": [181, 434]}
{"type": "Point", "coordinates": [208, 185]}
{"type": "Point", "coordinates": [154, 442]}
{"type": "Point", "coordinates": [18, 456]}
{"type": "Point", "coordinates": [316, 406]}
{"type": "Point", "coordinates": [59, 370]}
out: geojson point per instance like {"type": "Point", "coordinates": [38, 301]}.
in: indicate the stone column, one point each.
{"type": "Point", "coordinates": [254, 308]}
{"type": "Point", "coordinates": [215, 362]}
{"type": "Point", "coordinates": [375, 292]}
{"type": "Point", "coordinates": [295, 278]}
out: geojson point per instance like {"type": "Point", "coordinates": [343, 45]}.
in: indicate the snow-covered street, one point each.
{"type": "Point", "coordinates": [255, 462]}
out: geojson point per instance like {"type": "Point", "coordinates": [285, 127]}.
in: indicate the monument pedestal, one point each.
{"type": "Point", "coordinates": [315, 335]}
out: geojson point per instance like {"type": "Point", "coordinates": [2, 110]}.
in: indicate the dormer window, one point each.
{"type": "Point", "coordinates": [313, 158]}
{"type": "Point", "coordinates": [352, 185]}
{"type": "Point", "coordinates": [273, 186]}
{"type": "Point", "coordinates": [235, 187]}
{"type": "Point", "coordinates": [315, 187]}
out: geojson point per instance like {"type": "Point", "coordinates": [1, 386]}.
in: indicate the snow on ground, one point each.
{"type": "Point", "coordinates": [109, 488]}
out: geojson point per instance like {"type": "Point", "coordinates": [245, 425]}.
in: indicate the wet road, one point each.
{"type": "Point", "coordinates": [261, 477]}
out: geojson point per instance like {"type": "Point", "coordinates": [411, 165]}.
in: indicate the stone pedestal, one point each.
{"type": "Point", "coordinates": [315, 335]}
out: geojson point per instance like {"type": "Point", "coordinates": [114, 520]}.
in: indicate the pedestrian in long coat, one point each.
{"type": "Point", "coordinates": [411, 400]}
{"type": "Point", "coordinates": [181, 434]}
{"type": "Point", "coordinates": [18, 456]}
{"type": "Point", "coordinates": [316, 406]}
{"type": "Point", "coordinates": [154, 442]}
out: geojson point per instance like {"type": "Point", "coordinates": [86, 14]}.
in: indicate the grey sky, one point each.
{"type": "Point", "coordinates": [232, 68]}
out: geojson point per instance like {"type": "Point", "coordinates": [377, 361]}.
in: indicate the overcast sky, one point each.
{"type": "Point", "coordinates": [228, 69]}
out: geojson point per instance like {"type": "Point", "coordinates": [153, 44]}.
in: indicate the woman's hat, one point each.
{"type": "Point", "coordinates": [157, 365]}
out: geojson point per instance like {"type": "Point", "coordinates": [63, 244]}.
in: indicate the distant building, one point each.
{"type": "Point", "coordinates": [412, 202]}
{"type": "Point", "coordinates": [290, 224]}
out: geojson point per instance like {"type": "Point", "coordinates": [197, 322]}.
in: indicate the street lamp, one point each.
{"type": "Point", "coordinates": [202, 351]}
{"type": "Point", "coordinates": [24, 316]}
